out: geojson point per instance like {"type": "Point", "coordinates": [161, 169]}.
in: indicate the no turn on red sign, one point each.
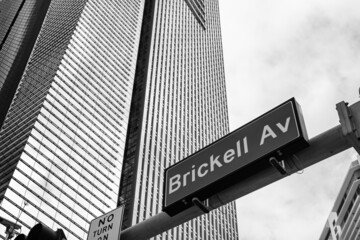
{"type": "Point", "coordinates": [107, 226]}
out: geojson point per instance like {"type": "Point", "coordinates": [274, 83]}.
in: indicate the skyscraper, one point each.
{"type": "Point", "coordinates": [61, 145]}
{"type": "Point", "coordinates": [179, 107]}
{"type": "Point", "coordinates": [102, 73]}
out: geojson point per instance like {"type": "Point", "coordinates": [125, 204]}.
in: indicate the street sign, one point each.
{"type": "Point", "coordinates": [279, 132]}
{"type": "Point", "coordinates": [107, 226]}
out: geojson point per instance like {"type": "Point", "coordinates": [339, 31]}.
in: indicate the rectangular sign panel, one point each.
{"type": "Point", "coordinates": [234, 156]}
{"type": "Point", "coordinates": [107, 226]}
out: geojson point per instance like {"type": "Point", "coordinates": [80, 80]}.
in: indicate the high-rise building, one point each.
{"type": "Point", "coordinates": [344, 219]}
{"type": "Point", "coordinates": [62, 142]}
{"type": "Point", "coordinates": [179, 107]}
{"type": "Point", "coordinates": [148, 73]}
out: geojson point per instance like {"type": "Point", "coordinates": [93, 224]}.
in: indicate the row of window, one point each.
{"type": "Point", "coordinates": [171, 111]}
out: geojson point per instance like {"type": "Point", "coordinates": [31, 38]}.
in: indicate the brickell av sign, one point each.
{"type": "Point", "coordinates": [234, 157]}
{"type": "Point", "coordinates": [107, 226]}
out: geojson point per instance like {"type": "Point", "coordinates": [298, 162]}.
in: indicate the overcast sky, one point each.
{"type": "Point", "coordinates": [275, 50]}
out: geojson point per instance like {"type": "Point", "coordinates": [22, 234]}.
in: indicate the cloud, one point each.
{"type": "Point", "coordinates": [314, 56]}
{"type": "Point", "coordinates": [275, 50]}
{"type": "Point", "coordinates": [297, 206]}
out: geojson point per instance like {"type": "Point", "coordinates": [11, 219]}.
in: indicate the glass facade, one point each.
{"type": "Point", "coordinates": [179, 107]}
{"type": "Point", "coordinates": [20, 24]}
{"type": "Point", "coordinates": [62, 142]}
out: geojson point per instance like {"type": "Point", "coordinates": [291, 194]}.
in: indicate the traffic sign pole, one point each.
{"type": "Point", "coordinates": [323, 146]}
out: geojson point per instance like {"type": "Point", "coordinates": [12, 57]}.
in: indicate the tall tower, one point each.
{"type": "Point", "coordinates": [179, 106]}
{"type": "Point", "coordinates": [61, 144]}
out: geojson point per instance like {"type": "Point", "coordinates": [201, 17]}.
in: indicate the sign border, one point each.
{"type": "Point", "coordinates": [301, 133]}
{"type": "Point", "coordinates": [122, 218]}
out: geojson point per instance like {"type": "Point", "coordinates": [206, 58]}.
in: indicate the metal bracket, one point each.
{"type": "Point", "coordinates": [350, 122]}
{"type": "Point", "coordinates": [278, 165]}
{"type": "Point", "coordinates": [294, 161]}
{"type": "Point", "coordinates": [10, 227]}
{"type": "Point", "coordinates": [200, 205]}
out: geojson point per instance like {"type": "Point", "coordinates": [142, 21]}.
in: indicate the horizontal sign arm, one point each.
{"type": "Point", "coordinates": [321, 147]}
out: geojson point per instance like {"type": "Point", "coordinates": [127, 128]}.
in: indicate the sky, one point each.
{"type": "Point", "coordinates": [275, 50]}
